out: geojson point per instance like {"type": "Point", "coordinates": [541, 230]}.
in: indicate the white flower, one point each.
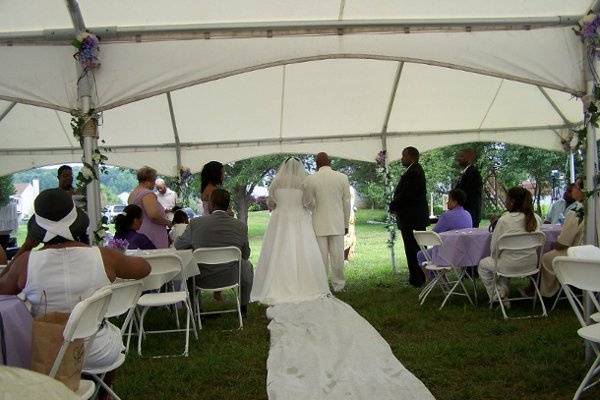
{"type": "Point", "coordinates": [87, 172]}
{"type": "Point", "coordinates": [588, 18]}
{"type": "Point", "coordinates": [82, 36]}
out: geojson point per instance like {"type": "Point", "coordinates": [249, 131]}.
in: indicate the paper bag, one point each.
{"type": "Point", "coordinates": [47, 338]}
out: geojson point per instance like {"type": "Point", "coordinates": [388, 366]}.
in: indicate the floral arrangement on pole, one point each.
{"type": "Point", "coordinates": [384, 172]}
{"type": "Point", "coordinates": [88, 48]}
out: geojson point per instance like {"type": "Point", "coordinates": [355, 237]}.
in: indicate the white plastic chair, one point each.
{"type": "Point", "coordinates": [123, 300]}
{"type": "Point", "coordinates": [584, 275]}
{"type": "Point", "coordinates": [84, 321]}
{"type": "Point", "coordinates": [440, 273]}
{"type": "Point", "coordinates": [213, 256]}
{"type": "Point", "coordinates": [165, 267]}
{"type": "Point", "coordinates": [511, 242]}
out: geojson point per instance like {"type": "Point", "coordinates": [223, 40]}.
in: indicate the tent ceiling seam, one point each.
{"type": "Point", "coordinates": [7, 110]}
{"type": "Point", "coordinates": [67, 134]}
{"type": "Point", "coordinates": [554, 106]}
{"type": "Point", "coordinates": [175, 132]}
{"type": "Point", "coordinates": [282, 106]}
{"type": "Point", "coordinates": [291, 140]}
{"type": "Point", "coordinates": [491, 103]}
{"type": "Point", "coordinates": [341, 10]}
{"type": "Point", "coordinates": [300, 60]}
{"type": "Point", "coordinates": [37, 103]}
{"type": "Point", "coordinates": [390, 105]}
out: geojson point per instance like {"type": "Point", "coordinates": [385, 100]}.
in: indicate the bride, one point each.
{"type": "Point", "coordinates": [290, 267]}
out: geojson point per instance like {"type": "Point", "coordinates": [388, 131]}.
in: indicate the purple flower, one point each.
{"type": "Point", "coordinates": [380, 160]}
{"type": "Point", "coordinates": [590, 28]}
{"type": "Point", "coordinates": [118, 244]}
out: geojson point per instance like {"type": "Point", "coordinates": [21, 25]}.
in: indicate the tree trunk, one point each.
{"type": "Point", "coordinates": [241, 203]}
{"type": "Point", "coordinates": [538, 195]}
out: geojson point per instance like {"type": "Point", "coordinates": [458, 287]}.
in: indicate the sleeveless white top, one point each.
{"type": "Point", "coordinates": [58, 279]}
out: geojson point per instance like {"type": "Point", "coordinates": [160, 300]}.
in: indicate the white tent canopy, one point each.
{"type": "Point", "coordinates": [246, 78]}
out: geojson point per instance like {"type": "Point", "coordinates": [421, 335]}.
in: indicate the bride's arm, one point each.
{"type": "Point", "coordinates": [308, 197]}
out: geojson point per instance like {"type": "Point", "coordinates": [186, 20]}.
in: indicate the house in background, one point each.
{"type": "Point", "coordinates": [25, 194]}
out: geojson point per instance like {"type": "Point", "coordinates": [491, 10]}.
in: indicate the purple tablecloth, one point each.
{"type": "Point", "coordinates": [15, 332]}
{"type": "Point", "coordinates": [467, 247]}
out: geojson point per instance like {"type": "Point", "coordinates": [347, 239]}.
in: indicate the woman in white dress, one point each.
{"type": "Point", "coordinates": [290, 267]}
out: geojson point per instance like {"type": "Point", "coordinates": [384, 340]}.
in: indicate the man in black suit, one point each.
{"type": "Point", "coordinates": [470, 182]}
{"type": "Point", "coordinates": [410, 206]}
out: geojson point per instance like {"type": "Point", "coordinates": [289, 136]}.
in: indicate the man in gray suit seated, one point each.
{"type": "Point", "coordinates": [219, 229]}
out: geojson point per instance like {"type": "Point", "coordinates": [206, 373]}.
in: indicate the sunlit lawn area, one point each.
{"type": "Point", "coordinates": [460, 352]}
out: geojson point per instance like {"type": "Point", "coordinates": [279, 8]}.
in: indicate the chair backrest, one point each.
{"type": "Point", "coordinates": [427, 238]}
{"type": "Point", "coordinates": [87, 315]}
{"type": "Point", "coordinates": [124, 297]}
{"type": "Point", "coordinates": [521, 241]}
{"type": "Point", "coordinates": [582, 274]}
{"type": "Point", "coordinates": [219, 255]}
{"type": "Point", "coordinates": [84, 321]}
{"type": "Point", "coordinates": [164, 267]}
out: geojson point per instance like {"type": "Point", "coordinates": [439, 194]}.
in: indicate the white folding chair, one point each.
{"type": "Point", "coordinates": [440, 273]}
{"type": "Point", "coordinates": [84, 321]}
{"type": "Point", "coordinates": [213, 256]}
{"type": "Point", "coordinates": [123, 300]}
{"type": "Point", "coordinates": [165, 267]}
{"type": "Point", "coordinates": [518, 242]}
{"type": "Point", "coordinates": [584, 275]}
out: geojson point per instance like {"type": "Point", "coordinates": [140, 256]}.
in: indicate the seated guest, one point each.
{"type": "Point", "coordinates": [180, 222]}
{"type": "Point", "coordinates": [65, 271]}
{"type": "Point", "coordinates": [219, 229]}
{"type": "Point", "coordinates": [456, 217]}
{"type": "Point", "coordinates": [558, 210]}
{"type": "Point", "coordinates": [127, 225]}
{"type": "Point", "coordinates": [571, 234]}
{"type": "Point", "coordinates": [520, 218]}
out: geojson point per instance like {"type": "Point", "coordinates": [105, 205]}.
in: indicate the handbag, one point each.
{"type": "Point", "coordinates": [47, 339]}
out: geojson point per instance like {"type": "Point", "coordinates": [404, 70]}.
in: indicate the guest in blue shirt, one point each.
{"type": "Point", "coordinates": [456, 217]}
{"type": "Point", "coordinates": [127, 224]}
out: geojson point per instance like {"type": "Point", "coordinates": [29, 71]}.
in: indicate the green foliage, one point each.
{"type": "Point", "coordinates": [7, 189]}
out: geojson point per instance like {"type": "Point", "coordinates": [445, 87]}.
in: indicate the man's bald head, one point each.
{"type": "Point", "coordinates": [322, 160]}
{"type": "Point", "coordinates": [160, 185]}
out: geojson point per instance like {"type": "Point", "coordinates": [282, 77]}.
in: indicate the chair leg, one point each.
{"type": "Point", "coordinates": [497, 292]}
{"type": "Point", "coordinates": [429, 285]}
{"type": "Point", "coordinates": [474, 289]}
{"type": "Point", "coordinates": [539, 295]}
{"type": "Point", "coordinates": [560, 292]}
{"type": "Point", "coordinates": [461, 277]}
{"type": "Point", "coordinates": [129, 334]}
{"type": "Point", "coordinates": [113, 395]}
{"type": "Point", "coordinates": [237, 299]}
{"type": "Point", "coordinates": [429, 289]}
{"type": "Point", "coordinates": [141, 332]}
{"type": "Point", "coordinates": [197, 306]}
{"type": "Point", "coordinates": [190, 311]}
{"type": "Point", "coordinates": [187, 333]}
{"type": "Point", "coordinates": [586, 379]}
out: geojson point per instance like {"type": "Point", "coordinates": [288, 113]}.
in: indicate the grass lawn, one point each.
{"type": "Point", "coordinates": [459, 352]}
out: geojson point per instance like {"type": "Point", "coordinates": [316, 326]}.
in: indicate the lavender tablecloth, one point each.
{"type": "Point", "coordinates": [467, 247]}
{"type": "Point", "coordinates": [15, 332]}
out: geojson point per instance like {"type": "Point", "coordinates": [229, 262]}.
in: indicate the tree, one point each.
{"type": "Point", "coordinates": [7, 189]}
{"type": "Point", "coordinates": [241, 177]}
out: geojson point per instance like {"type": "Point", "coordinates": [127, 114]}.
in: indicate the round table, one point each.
{"type": "Point", "coordinates": [466, 247]}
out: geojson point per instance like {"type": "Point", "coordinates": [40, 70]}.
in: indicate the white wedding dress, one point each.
{"type": "Point", "coordinates": [321, 349]}
{"type": "Point", "coordinates": [290, 267]}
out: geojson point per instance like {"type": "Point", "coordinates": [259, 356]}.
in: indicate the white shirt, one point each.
{"type": "Point", "coordinates": [513, 222]}
{"type": "Point", "coordinates": [168, 201]}
{"type": "Point", "coordinates": [9, 219]}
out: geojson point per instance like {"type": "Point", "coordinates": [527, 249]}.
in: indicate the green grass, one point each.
{"type": "Point", "coordinates": [459, 352]}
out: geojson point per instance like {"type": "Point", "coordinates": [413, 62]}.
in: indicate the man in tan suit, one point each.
{"type": "Point", "coordinates": [331, 192]}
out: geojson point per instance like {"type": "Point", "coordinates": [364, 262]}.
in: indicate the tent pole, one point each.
{"type": "Point", "coordinates": [90, 131]}
{"type": "Point", "coordinates": [8, 109]}
{"type": "Point", "coordinates": [590, 182]}
{"type": "Point", "coordinates": [571, 166]}
{"type": "Point", "coordinates": [386, 181]}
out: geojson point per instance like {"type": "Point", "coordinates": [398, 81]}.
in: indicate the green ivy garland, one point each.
{"type": "Point", "coordinates": [384, 173]}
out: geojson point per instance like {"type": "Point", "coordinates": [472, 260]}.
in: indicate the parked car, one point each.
{"type": "Point", "coordinates": [113, 211]}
